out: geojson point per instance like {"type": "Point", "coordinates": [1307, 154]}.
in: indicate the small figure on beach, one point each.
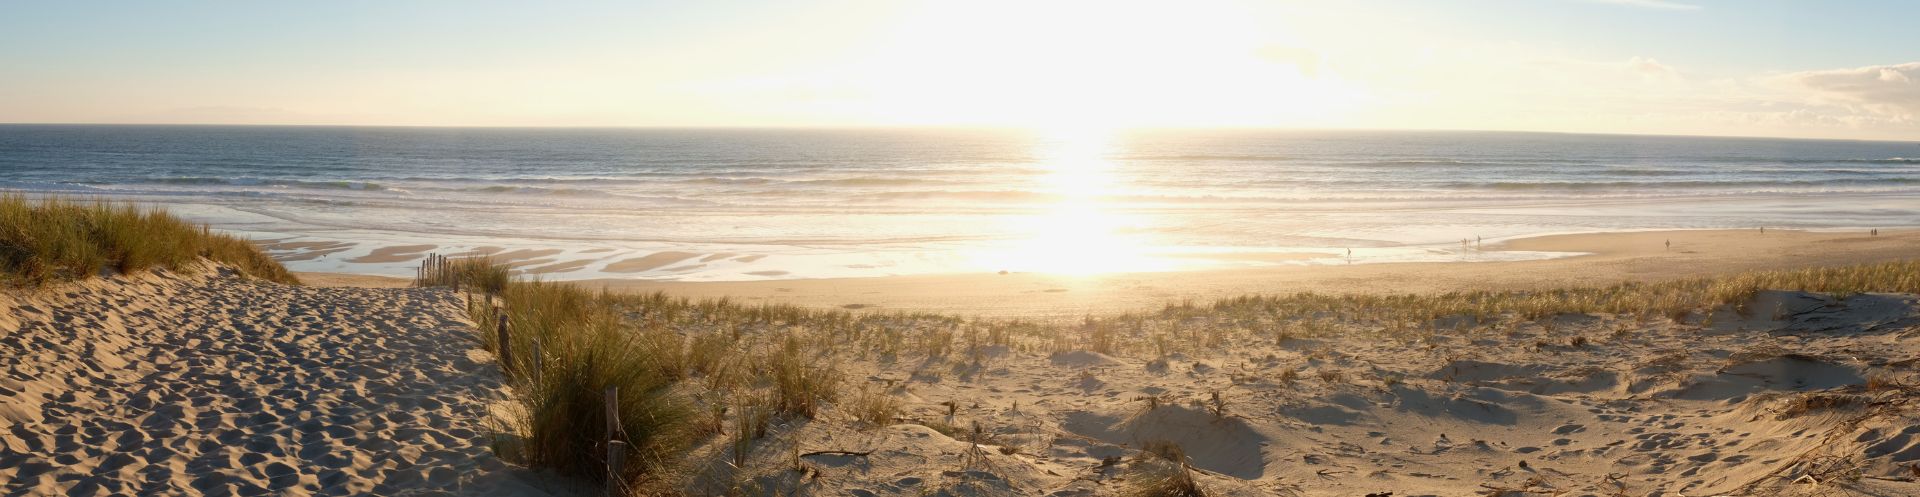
{"type": "Point", "coordinates": [1874, 232]}
{"type": "Point", "coordinates": [1669, 244]}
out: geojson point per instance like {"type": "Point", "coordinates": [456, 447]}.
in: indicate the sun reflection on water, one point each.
{"type": "Point", "coordinates": [1081, 231]}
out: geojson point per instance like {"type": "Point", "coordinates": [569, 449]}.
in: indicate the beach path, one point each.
{"type": "Point", "coordinates": [210, 384]}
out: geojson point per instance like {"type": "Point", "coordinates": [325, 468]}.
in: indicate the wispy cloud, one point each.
{"type": "Point", "coordinates": [1651, 4]}
{"type": "Point", "coordinates": [1892, 90]}
{"type": "Point", "coordinates": [1651, 68]}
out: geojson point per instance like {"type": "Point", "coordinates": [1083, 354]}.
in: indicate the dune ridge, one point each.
{"type": "Point", "coordinates": [1713, 386]}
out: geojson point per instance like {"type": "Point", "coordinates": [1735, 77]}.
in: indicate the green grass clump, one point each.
{"type": "Point", "coordinates": [478, 273]}
{"type": "Point", "coordinates": [874, 407]}
{"type": "Point", "coordinates": [51, 239]}
{"type": "Point", "coordinates": [584, 349]}
{"type": "Point", "coordinates": [801, 386]}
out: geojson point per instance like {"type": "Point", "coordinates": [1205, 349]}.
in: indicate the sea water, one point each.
{"type": "Point", "coordinates": [743, 204]}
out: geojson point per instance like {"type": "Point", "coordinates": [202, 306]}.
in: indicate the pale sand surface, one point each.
{"type": "Point", "coordinates": [168, 384]}
{"type": "Point", "coordinates": [1615, 257]}
{"type": "Point", "coordinates": [309, 255]}
{"type": "Point", "coordinates": [304, 245]}
{"type": "Point", "coordinates": [352, 280]}
{"type": "Point", "coordinates": [396, 253]}
{"type": "Point", "coordinates": [560, 267]}
{"type": "Point", "coordinates": [650, 261]}
{"type": "Point", "coordinates": [478, 251]}
{"type": "Point", "coordinates": [522, 255]}
{"type": "Point", "coordinates": [1575, 405]}
{"type": "Point", "coordinates": [210, 385]}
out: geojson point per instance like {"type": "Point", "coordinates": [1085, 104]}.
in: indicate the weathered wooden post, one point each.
{"type": "Point", "coordinates": [612, 396]}
{"type": "Point", "coordinates": [505, 346]}
{"type": "Point", "coordinates": [616, 449]}
{"type": "Point", "coordinates": [616, 466]}
{"type": "Point", "coordinates": [537, 361]}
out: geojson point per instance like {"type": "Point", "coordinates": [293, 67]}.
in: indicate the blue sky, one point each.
{"type": "Point", "coordinates": [1767, 68]}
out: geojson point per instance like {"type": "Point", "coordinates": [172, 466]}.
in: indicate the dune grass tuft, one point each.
{"type": "Point", "coordinates": [480, 273]}
{"type": "Point", "coordinates": [583, 350]}
{"type": "Point", "coordinates": [50, 240]}
{"type": "Point", "coordinates": [1161, 471]}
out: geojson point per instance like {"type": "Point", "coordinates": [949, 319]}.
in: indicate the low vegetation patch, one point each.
{"type": "Point", "coordinates": [472, 273]}
{"type": "Point", "coordinates": [1161, 470]}
{"type": "Point", "coordinates": [51, 240]}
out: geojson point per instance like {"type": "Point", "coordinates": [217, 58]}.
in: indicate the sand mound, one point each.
{"type": "Point", "coordinates": [1223, 445]}
{"type": "Point", "coordinates": [1790, 372]}
{"type": "Point", "coordinates": [169, 384]}
{"type": "Point", "coordinates": [1083, 359]}
{"type": "Point", "coordinates": [1818, 313]}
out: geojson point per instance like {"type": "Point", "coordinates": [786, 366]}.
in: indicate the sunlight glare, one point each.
{"type": "Point", "coordinates": [1081, 232]}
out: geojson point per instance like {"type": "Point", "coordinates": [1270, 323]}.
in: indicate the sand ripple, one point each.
{"type": "Point", "coordinates": [211, 385]}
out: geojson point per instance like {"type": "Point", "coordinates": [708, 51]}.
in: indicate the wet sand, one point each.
{"type": "Point", "coordinates": [397, 253]}
{"type": "Point", "coordinates": [1612, 258]}
{"type": "Point", "coordinates": [650, 262]}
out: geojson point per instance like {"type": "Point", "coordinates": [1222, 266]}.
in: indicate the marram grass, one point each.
{"type": "Point", "coordinates": [50, 240]}
{"type": "Point", "coordinates": [584, 347]}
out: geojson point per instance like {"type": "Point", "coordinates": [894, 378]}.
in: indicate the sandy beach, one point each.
{"type": "Point", "coordinates": [200, 381]}
{"type": "Point", "coordinates": [1233, 248]}
{"type": "Point", "coordinates": [1613, 258]}
{"type": "Point", "coordinates": [169, 383]}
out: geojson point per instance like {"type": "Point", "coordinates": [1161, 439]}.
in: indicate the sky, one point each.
{"type": "Point", "coordinates": [1787, 68]}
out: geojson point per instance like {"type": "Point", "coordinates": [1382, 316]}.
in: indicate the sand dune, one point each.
{"type": "Point", "coordinates": [170, 384]}
{"type": "Point", "coordinates": [1804, 395]}
{"type": "Point", "coordinates": [209, 384]}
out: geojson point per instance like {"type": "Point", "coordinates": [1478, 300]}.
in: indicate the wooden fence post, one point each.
{"type": "Point", "coordinates": [616, 449]}
{"type": "Point", "coordinates": [505, 348]}
{"type": "Point", "coordinates": [537, 358]}
{"type": "Point", "coordinates": [612, 396]}
{"type": "Point", "coordinates": [616, 466]}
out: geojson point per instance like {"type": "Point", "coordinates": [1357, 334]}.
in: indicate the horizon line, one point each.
{"type": "Point", "coordinates": [943, 127]}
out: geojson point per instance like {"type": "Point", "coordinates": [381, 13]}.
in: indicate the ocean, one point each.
{"type": "Point", "coordinates": [746, 204]}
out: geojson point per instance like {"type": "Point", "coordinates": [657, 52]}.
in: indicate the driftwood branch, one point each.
{"type": "Point", "coordinates": [837, 453]}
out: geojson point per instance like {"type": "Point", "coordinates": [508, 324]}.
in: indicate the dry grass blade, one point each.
{"type": "Point", "coordinates": [1161, 471]}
